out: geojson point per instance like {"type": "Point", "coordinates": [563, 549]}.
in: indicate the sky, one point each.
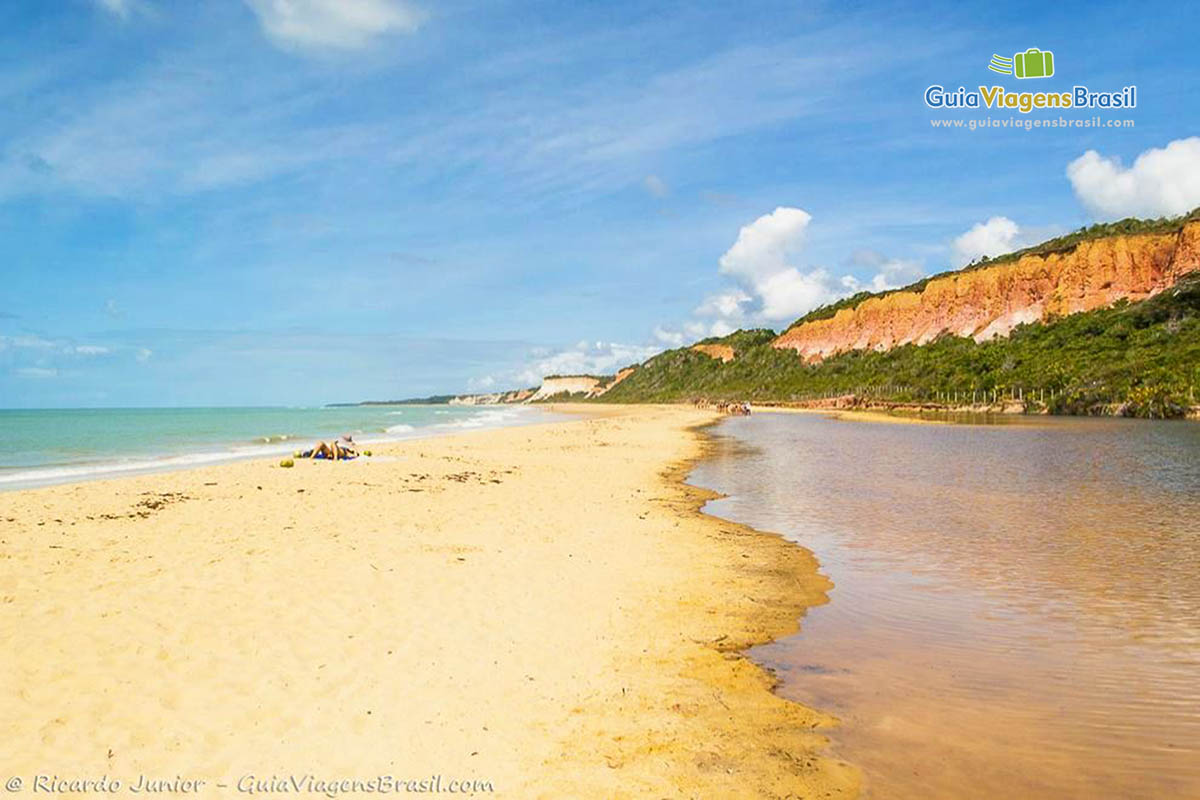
{"type": "Point", "coordinates": [292, 202]}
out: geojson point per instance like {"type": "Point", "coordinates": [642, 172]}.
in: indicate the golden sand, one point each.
{"type": "Point", "coordinates": [540, 607]}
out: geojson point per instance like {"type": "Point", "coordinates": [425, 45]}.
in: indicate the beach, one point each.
{"type": "Point", "coordinates": [540, 611]}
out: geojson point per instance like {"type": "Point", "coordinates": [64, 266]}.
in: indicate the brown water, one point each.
{"type": "Point", "coordinates": [1016, 609]}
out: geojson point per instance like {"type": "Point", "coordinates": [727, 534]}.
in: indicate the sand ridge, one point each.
{"type": "Point", "coordinates": [542, 608]}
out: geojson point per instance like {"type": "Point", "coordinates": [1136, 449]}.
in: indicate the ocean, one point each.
{"type": "Point", "coordinates": [46, 446]}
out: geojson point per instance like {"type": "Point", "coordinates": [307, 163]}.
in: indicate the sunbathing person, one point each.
{"type": "Point", "coordinates": [337, 450]}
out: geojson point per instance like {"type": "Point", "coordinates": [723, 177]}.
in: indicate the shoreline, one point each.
{"type": "Point", "coordinates": [877, 410]}
{"type": "Point", "coordinates": [545, 607]}
{"type": "Point", "coordinates": [137, 463]}
{"type": "Point", "coordinates": [850, 414]}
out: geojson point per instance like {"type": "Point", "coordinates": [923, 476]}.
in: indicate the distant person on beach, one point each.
{"type": "Point", "coordinates": [337, 450]}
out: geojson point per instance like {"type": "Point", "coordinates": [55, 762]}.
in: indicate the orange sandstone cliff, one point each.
{"type": "Point", "coordinates": [992, 300]}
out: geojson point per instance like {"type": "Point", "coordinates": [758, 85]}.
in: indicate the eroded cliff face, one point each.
{"type": "Point", "coordinates": [565, 384]}
{"type": "Point", "coordinates": [991, 301]}
{"type": "Point", "coordinates": [494, 398]}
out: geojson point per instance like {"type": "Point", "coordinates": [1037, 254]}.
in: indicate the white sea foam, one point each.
{"type": "Point", "coordinates": [491, 418]}
{"type": "Point", "coordinates": [44, 476]}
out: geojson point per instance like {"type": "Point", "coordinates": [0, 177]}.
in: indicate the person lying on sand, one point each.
{"type": "Point", "coordinates": [338, 449]}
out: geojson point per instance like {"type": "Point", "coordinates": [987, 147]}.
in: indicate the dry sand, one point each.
{"type": "Point", "coordinates": [539, 607]}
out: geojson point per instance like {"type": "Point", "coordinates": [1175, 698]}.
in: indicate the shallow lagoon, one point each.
{"type": "Point", "coordinates": [1016, 609]}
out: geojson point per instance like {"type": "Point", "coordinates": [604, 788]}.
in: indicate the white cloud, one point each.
{"type": "Point", "coordinates": [721, 328]}
{"type": "Point", "coordinates": [584, 358]}
{"type": "Point", "coordinates": [656, 186]}
{"type": "Point", "coordinates": [890, 273]}
{"type": "Point", "coordinates": [143, 354]}
{"type": "Point", "coordinates": [333, 24]}
{"type": "Point", "coordinates": [725, 304]}
{"type": "Point", "coordinates": [764, 246]}
{"type": "Point", "coordinates": [792, 293]}
{"type": "Point", "coordinates": [669, 337]}
{"type": "Point", "coordinates": [26, 342]}
{"type": "Point", "coordinates": [761, 258]}
{"type": "Point", "coordinates": [1162, 182]}
{"type": "Point", "coordinates": [33, 356]}
{"type": "Point", "coordinates": [995, 237]}
{"type": "Point", "coordinates": [195, 123]}
{"type": "Point", "coordinates": [692, 331]}
{"type": "Point", "coordinates": [592, 358]}
{"type": "Point", "coordinates": [772, 288]}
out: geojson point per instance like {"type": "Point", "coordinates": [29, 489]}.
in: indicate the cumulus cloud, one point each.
{"type": "Point", "coordinates": [1162, 182]}
{"type": "Point", "coordinates": [791, 293]}
{"type": "Point", "coordinates": [725, 304]}
{"type": "Point", "coordinates": [760, 260]}
{"type": "Point", "coordinates": [764, 246]}
{"type": "Point", "coordinates": [333, 24]}
{"type": "Point", "coordinates": [995, 237]}
{"type": "Point", "coordinates": [656, 186]}
{"type": "Point", "coordinates": [772, 287]}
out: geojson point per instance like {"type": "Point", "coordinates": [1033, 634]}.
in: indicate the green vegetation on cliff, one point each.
{"type": "Point", "coordinates": [1144, 355]}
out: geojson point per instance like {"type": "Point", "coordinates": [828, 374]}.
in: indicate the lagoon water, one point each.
{"type": "Point", "coordinates": [43, 446]}
{"type": "Point", "coordinates": [1016, 608]}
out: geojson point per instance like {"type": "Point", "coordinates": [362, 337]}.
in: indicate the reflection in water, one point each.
{"type": "Point", "coordinates": [1016, 609]}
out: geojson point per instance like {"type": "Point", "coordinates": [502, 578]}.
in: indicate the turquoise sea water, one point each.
{"type": "Point", "coordinates": [42, 446]}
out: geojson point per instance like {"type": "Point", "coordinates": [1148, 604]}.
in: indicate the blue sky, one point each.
{"type": "Point", "coordinates": [303, 201]}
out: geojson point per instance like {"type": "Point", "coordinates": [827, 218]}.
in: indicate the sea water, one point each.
{"type": "Point", "coordinates": [44, 446]}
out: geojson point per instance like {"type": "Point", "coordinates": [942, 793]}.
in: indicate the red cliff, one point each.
{"type": "Point", "coordinates": [990, 301]}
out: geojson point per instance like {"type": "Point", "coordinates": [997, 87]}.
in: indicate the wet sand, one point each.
{"type": "Point", "coordinates": [540, 608]}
